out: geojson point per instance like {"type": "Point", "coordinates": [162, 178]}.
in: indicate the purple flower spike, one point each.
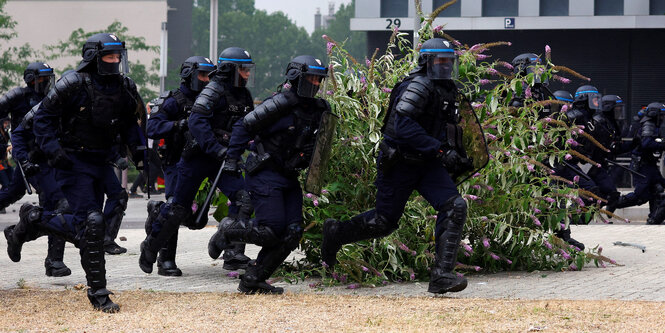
{"type": "Point", "coordinates": [576, 179]}
{"type": "Point", "coordinates": [547, 244]}
{"type": "Point", "coordinates": [494, 256]}
{"type": "Point", "coordinates": [477, 268]}
{"type": "Point", "coordinates": [437, 29]}
{"type": "Point", "coordinates": [233, 274]}
{"type": "Point", "coordinates": [481, 56]}
{"type": "Point", "coordinates": [565, 254]}
{"type": "Point", "coordinates": [467, 247]}
{"type": "Point", "coordinates": [412, 276]}
{"type": "Point", "coordinates": [316, 203]}
{"type": "Point", "coordinates": [353, 286]}
{"type": "Point", "coordinates": [313, 285]}
{"type": "Point", "coordinates": [509, 262]}
{"type": "Point", "coordinates": [329, 46]}
{"type": "Point", "coordinates": [548, 49]}
{"type": "Point", "coordinates": [530, 167]}
{"type": "Point", "coordinates": [471, 196]}
{"type": "Point", "coordinates": [324, 191]}
{"type": "Point", "coordinates": [477, 174]}
{"type": "Point", "coordinates": [550, 200]}
{"type": "Point", "coordinates": [484, 218]}
{"type": "Point", "coordinates": [536, 221]}
{"type": "Point", "coordinates": [460, 274]}
{"type": "Point", "coordinates": [491, 136]}
{"type": "Point", "coordinates": [386, 90]}
{"type": "Point", "coordinates": [527, 92]}
{"type": "Point", "coordinates": [384, 282]}
{"type": "Point", "coordinates": [572, 142]}
{"type": "Point", "coordinates": [490, 188]}
{"type": "Point", "coordinates": [486, 242]}
{"type": "Point", "coordinates": [309, 195]}
{"type": "Point", "coordinates": [568, 157]}
{"type": "Point", "coordinates": [365, 269]}
{"type": "Point", "coordinates": [367, 62]}
{"type": "Point", "coordinates": [287, 85]}
{"type": "Point", "coordinates": [413, 252]}
{"type": "Point", "coordinates": [476, 187]}
{"type": "Point", "coordinates": [329, 92]}
{"type": "Point", "coordinates": [324, 264]}
{"type": "Point", "coordinates": [572, 267]}
{"type": "Point", "coordinates": [564, 108]}
{"type": "Point", "coordinates": [537, 211]}
{"type": "Point", "coordinates": [492, 71]}
{"type": "Point", "coordinates": [613, 262]}
{"type": "Point", "coordinates": [484, 81]}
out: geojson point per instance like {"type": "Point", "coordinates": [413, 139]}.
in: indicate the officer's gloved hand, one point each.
{"type": "Point", "coordinates": [232, 167]}
{"type": "Point", "coordinates": [60, 160]}
{"type": "Point", "coordinates": [180, 125]}
{"type": "Point", "coordinates": [29, 168]}
{"type": "Point", "coordinates": [121, 163]}
{"type": "Point", "coordinates": [221, 154]}
{"type": "Point", "coordinates": [450, 159]}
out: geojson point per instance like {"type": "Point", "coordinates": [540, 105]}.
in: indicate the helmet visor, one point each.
{"type": "Point", "coordinates": [113, 63]}
{"type": "Point", "coordinates": [619, 111]}
{"type": "Point", "coordinates": [199, 77]}
{"type": "Point", "coordinates": [45, 80]}
{"type": "Point", "coordinates": [595, 102]}
{"type": "Point", "coordinates": [309, 85]}
{"type": "Point", "coordinates": [244, 76]}
{"type": "Point", "coordinates": [442, 66]}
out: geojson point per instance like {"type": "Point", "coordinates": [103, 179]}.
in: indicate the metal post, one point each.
{"type": "Point", "coordinates": [163, 58]}
{"type": "Point", "coordinates": [214, 14]}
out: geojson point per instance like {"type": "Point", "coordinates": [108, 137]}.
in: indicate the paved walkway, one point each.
{"type": "Point", "coordinates": [641, 277]}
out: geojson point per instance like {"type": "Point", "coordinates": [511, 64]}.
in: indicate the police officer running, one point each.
{"type": "Point", "coordinates": [77, 126]}
{"type": "Point", "coordinates": [417, 154]}
{"type": "Point", "coordinates": [168, 121]}
{"type": "Point", "coordinates": [224, 100]}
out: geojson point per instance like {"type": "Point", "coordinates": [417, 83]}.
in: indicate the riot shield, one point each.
{"type": "Point", "coordinates": [318, 165]}
{"type": "Point", "coordinates": [473, 139]}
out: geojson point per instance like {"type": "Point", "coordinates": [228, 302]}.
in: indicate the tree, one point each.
{"type": "Point", "coordinates": [145, 75]}
{"type": "Point", "coordinates": [340, 29]}
{"type": "Point", "coordinates": [13, 60]}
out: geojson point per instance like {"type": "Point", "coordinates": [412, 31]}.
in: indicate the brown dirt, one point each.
{"type": "Point", "coordinates": [27, 310]}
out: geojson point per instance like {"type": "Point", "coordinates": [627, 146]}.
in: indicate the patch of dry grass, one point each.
{"type": "Point", "coordinates": [58, 311]}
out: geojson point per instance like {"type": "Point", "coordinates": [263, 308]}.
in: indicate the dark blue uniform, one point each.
{"type": "Point", "coordinates": [16, 103]}
{"type": "Point", "coordinates": [218, 106]}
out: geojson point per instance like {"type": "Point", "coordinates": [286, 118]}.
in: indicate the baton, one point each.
{"type": "Point", "coordinates": [625, 168]}
{"type": "Point", "coordinates": [25, 179]}
{"type": "Point", "coordinates": [203, 209]}
{"type": "Point", "coordinates": [641, 247]}
{"type": "Point", "coordinates": [577, 171]}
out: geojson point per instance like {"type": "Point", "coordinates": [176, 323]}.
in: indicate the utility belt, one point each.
{"type": "Point", "coordinates": [390, 156]}
{"type": "Point", "coordinates": [261, 160]}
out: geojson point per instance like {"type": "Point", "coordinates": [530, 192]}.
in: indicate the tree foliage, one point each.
{"type": "Point", "coordinates": [272, 39]}
{"type": "Point", "coordinates": [14, 59]}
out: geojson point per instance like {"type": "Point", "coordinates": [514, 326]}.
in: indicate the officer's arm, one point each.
{"type": "Point", "coordinates": [47, 118]}
{"type": "Point", "coordinates": [20, 136]}
{"type": "Point", "coordinates": [409, 131]}
{"type": "Point", "coordinates": [6, 102]}
{"type": "Point", "coordinates": [240, 137]}
{"type": "Point", "coordinates": [650, 140]}
{"type": "Point", "coordinates": [201, 130]}
{"type": "Point", "coordinates": [161, 121]}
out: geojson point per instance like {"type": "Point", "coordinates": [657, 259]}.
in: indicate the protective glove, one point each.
{"type": "Point", "coordinates": [180, 125]}
{"type": "Point", "coordinates": [221, 154]}
{"type": "Point", "coordinates": [232, 167]}
{"type": "Point", "coordinates": [29, 168]}
{"type": "Point", "coordinates": [60, 160]}
{"type": "Point", "coordinates": [121, 163]}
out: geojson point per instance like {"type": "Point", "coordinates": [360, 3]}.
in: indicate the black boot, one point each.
{"type": "Point", "coordinates": [113, 223]}
{"type": "Point", "coordinates": [101, 301]}
{"type": "Point", "coordinates": [53, 263]}
{"type": "Point", "coordinates": [565, 236]}
{"type": "Point", "coordinates": [166, 265]}
{"type": "Point", "coordinates": [337, 233]}
{"type": "Point", "coordinates": [235, 258]}
{"type": "Point", "coordinates": [622, 202]}
{"type": "Point", "coordinates": [153, 243]}
{"type": "Point", "coordinates": [442, 277]}
{"type": "Point", "coordinates": [25, 230]}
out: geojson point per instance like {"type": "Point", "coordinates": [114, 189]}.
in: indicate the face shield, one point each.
{"type": "Point", "coordinates": [619, 111]}
{"type": "Point", "coordinates": [310, 84]}
{"type": "Point", "coordinates": [199, 77]}
{"type": "Point", "coordinates": [594, 100]}
{"type": "Point", "coordinates": [244, 75]}
{"type": "Point", "coordinates": [45, 80]}
{"type": "Point", "coordinates": [442, 65]}
{"type": "Point", "coordinates": [113, 62]}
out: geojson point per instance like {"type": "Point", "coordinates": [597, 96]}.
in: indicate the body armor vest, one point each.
{"type": "Point", "coordinates": [97, 124]}
{"type": "Point", "coordinates": [292, 149]}
{"type": "Point", "coordinates": [223, 120]}
{"type": "Point", "coordinates": [174, 143]}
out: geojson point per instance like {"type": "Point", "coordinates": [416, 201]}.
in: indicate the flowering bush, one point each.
{"type": "Point", "coordinates": [515, 202]}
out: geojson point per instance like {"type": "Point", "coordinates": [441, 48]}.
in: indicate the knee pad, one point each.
{"type": "Point", "coordinates": [379, 226]}
{"type": "Point", "coordinates": [293, 235]}
{"type": "Point", "coordinates": [62, 206]}
{"type": "Point", "coordinates": [455, 210]}
{"type": "Point", "coordinates": [244, 203]}
{"type": "Point", "coordinates": [179, 213]}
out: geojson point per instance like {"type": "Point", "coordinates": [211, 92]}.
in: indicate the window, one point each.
{"type": "Point", "coordinates": [500, 7]}
{"type": "Point", "coordinates": [553, 7]}
{"type": "Point", "coordinates": [394, 8]}
{"type": "Point", "coordinates": [608, 7]}
{"type": "Point", "coordinates": [453, 11]}
{"type": "Point", "coordinates": [657, 7]}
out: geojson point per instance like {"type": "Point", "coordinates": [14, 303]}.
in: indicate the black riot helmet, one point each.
{"type": "Point", "coordinates": [306, 75]}
{"type": "Point", "coordinates": [39, 76]}
{"type": "Point", "coordinates": [106, 52]}
{"type": "Point", "coordinates": [655, 110]}
{"type": "Point", "coordinates": [525, 64]}
{"type": "Point", "coordinates": [438, 56]}
{"type": "Point", "coordinates": [236, 64]}
{"type": "Point", "coordinates": [587, 96]}
{"type": "Point", "coordinates": [563, 95]}
{"type": "Point", "coordinates": [613, 106]}
{"type": "Point", "coordinates": [193, 69]}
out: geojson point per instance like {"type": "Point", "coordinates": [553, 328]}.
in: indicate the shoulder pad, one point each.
{"type": "Point", "coordinates": [11, 95]}
{"type": "Point", "coordinates": [270, 110]}
{"type": "Point", "coordinates": [208, 97]}
{"type": "Point", "coordinates": [648, 128]}
{"type": "Point", "coordinates": [129, 83]}
{"type": "Point", "coordinates": [414, 98]}
{"type": "Point", "coordinates": [323, 104]}
{"type": "Point", "coordinates": [160, 101]}
{"type": "Point", "coordinates": [26, 122]}
{"type": "Point", "coordinates": [65, 87]}
{"type": "Point", "coordinates": [575, 116]}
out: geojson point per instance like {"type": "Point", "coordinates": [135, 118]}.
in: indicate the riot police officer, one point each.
{"type": "Point", "coordinates": [649, 150]}
{"type": "Point", "coordinates": [77, 127]}
{"type": "Point", "coordinates": [284, 131]}
{"type": "Point", "coordinates": [168, 121]}
{"type": "Point", "coordinates": [523, 65]}
{"type": "Point", "coordinates": [224, 100]}
{"type": "Point", "coordinates": [606, 131]}
{"type": "Point", "coordinates": [39, 78]}
{"type": "Point", "coordinates": [417, 154]}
